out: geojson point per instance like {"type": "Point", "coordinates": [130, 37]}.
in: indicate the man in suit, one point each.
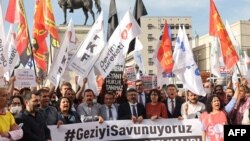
{"type": "Point", "coordinates": [131, 109]}
{"type": "Point", "coordinates": [109, 110]}
{"type": "Point", "coordinates": [88, 110]}
{"type": "Point", "coordinates": [142, 97]}
{"type": "Point", "coordinates": [173, 102]}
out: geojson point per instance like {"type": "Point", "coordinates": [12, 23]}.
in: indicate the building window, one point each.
{"type": "Point", "coordinates": [171, 26]}
{"type": "Point", "coordinates": [187, 26]}
{"type": "Point", "coordinates": [150, 49]}
{"type": "Point", "coordinates": [150, 72]}
{"type": "Point", "coordinates": [150, 26]}
{"type": "Point", "coordinates": [150, 37]}
{"type": "Point", "coordinates": [150, 62]}
{"type": "Point", "coordinates": [173, 38]}
{"type": "Point", "coordinates": [162, 25]}
{"type": "Point", "coordinates": [177, 26]}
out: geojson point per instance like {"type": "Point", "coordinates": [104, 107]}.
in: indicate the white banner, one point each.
{"type": "Point", "coordinates": [3, 52]}
{"type": "Point", "coordinates": [60, 62]}
{"type": "Point", "coordinates": [25, 78]}
{"type": "Point", "coordinates": [2, 81]}
{"type": "Point", "coordinates": [161, 129]}
{"type": "Point", "coordinates": [12, 54]}
{"type": "Point", "coordinates": [89, 51]}
{"type": "Point", "coordinates": [117, 46]}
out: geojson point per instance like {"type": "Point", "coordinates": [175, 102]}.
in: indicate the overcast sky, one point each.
{"type": "Point", "coordinates": [231, 10]}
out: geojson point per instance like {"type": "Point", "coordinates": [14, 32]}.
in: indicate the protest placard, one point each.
{"type": "Point", "coordinates": [25, 78]}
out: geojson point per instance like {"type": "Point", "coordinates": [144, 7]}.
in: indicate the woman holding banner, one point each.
{"type": "Point", "coordinates": [67, 116]}
{"type": "Point", "coordinates": [155, 109]}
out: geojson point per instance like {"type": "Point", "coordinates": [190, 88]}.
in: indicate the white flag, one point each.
{"type": "Point", "coordinates": [137, 55]}
{"type": "Point", "coordinates": [3, 50]}
{"type": "Point", "coordinates": [85, 58]}
{"type": "Point", "coordinates": [247, 66]}
{"type": "Point", "coordinates": [60, 62]}
{"type": "Point", "coordinates": [246, 61]}
{"type": "Point", "coordinates": [12, 53]}
{"type": "Point", "coordinates": [118, 44]}
{"type": "Point", "coordinates": [185, 67]}
{"type": "Point", "coordinates": [238, 50]}
{"type": "Point", "coordinates": [215, 55]}
{"type": "Point", "coordinates": [2, 81]}
{"type": "Point", "coordinates": [91, 83]}
{"type": "Point", "coordinates": [233, 39]}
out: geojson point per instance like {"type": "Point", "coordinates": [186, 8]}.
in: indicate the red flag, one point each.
{"type": "Point", "coordinates": [15, 14]}
{"type": "Point", "coordinates": [164, 54]}
{"type": "Point", "coordinates": [49, 23]}
{"type": "Point", "coordinates": [44, 23]}
{"type": "Point", "coordinates": [12, 12]}
{"type": "Point", "coordinates": [217, 28]}
{"type": "Point", "coordinates": [39, 37]}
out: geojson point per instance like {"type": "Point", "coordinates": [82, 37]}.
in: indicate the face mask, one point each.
{"type": "Point", "coordinates": [15, 110]}
{"type": "Point", "coordinates": [208, 91]}
{"type": "Point", "coordinates": [94, 100]}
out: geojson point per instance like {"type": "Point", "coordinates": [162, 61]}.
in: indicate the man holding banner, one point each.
{"type": "Point", "coordinates": [131, 109]}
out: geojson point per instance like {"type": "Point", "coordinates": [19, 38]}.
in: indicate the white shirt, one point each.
{"type": "Point", "coordinates": [113, 110]}
{"type": "Point", "coordinates": [193, 109]}
{"type": "Point", "coordinates": [246, 119]}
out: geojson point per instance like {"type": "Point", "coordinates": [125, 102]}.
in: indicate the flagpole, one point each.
{"type": "Point", "coordinates": [238, 69]}
{"type": "Point", "coordinates": [31, 47]}
{"type": "Point", "coordinates": [50, 51]}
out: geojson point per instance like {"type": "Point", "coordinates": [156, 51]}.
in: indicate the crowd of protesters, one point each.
{"type": "Point", "coordinates": [25, 113]}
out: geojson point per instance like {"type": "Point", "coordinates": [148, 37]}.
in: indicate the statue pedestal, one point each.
{"type": "Point", "coordinates": [81, 32]}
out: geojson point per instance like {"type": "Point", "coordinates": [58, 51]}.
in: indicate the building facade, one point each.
{"type": "Point", "coordinates": [152, 28]}
{"type": "Point", "coordinates": [202, 45]}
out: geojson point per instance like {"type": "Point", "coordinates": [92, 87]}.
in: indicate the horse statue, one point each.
{"type": "Point", "coordinates": [86, 6]}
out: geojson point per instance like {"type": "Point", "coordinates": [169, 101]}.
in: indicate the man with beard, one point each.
{"type": "Point", "coordinates": [33, 121]}
{"type": "Point", "coordinates": [50, 112]}
{"type": "Point", "coordinates": [88, 110]}
{"type": "Point", "coordinates": [131, 109]}
{"type": "Point", "coordinates": [192, 108]}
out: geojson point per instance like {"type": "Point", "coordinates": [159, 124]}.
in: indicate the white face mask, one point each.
{"type": "Point", "coordinates": [207, 90]}
{"type": "Point", "coordinates": [15, 110]}
{"type": "Point", "coordinates": [94, 100]}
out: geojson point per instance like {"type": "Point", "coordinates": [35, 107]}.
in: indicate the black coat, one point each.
{"type": "Point", "coordinates": [124, 111]}
{"type": "Point", "coordinates": [177, 108]}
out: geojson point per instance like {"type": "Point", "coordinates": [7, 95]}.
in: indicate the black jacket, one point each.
{"type": "Point", "coordinates": [124, 111]}
{"type": "Point", "coordinates": [34, 127]}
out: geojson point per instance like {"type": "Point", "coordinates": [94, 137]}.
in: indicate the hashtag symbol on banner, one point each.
{"type": "Point", "coordinates": [69, 135]}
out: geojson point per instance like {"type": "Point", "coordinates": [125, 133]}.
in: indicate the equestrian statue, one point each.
{"type": "Point", "coordinates": [86, 6]}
